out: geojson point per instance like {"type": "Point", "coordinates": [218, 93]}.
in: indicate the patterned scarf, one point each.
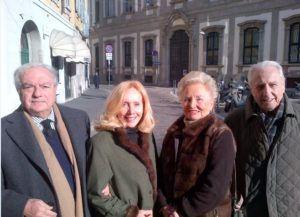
{"type": "Point", "coordinates": [272, 122]}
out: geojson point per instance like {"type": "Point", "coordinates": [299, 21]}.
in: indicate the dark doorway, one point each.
{"type": "Point", "coordinates": [179, 56]}
{"type": "Point", "coordinates": [70, 70]}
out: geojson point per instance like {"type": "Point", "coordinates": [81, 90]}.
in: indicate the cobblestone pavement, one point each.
{"type": "Point", "coordinates": [165, 105]}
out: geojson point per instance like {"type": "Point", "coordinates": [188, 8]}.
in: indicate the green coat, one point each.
{"type": "Point", "coordinates": [129, 169]}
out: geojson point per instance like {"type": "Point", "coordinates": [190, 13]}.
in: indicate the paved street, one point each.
{"type": "Point", "coordinates": [165, 105]}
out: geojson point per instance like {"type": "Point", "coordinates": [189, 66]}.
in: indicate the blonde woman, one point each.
{"type": "Point", "coordinates": [122, 174]}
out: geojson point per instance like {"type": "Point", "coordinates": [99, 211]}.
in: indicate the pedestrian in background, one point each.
{"type": "Point", "coordinates": [122, 156]}
{"type": "Point", "coordinates": [197, 158]}
{"type": "Point", "coordinates": [43, 156]}
{"type": "Point", "coordinates": [267, 132]}
{"type": "Point", "coordinates": [96, 80]}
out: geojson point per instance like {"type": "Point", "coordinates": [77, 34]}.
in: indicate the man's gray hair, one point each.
{"type": "Point", "coordinates": [23, 68]}
{"type": "Point", "coordinates": [261, 65]}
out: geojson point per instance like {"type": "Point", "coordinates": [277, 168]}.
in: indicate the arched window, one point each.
{"type": "Point", "coordinates": [24, 48]}
{"type": "Point", "coordinates": [251, 45]}
{"type": "Point", "coordinates": [294, 43]}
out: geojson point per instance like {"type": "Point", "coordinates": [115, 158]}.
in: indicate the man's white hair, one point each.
{"type": "Point", "coordinates": [261, 65]}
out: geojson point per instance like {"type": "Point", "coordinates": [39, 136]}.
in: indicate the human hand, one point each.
{"type": "Point", "coordinates": [175, 214]}
{"type": "Point", "coordinates": [105, 191]}
{"type": "Point", "coordinates": [145, 213]}
{"type": "Point", "coordinates": [169, 211]}
{"type": "Point", "coordinates": [38, 208]}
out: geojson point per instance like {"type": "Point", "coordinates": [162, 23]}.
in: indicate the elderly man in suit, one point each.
{"type": "Point", "coordinates": [43, 148]}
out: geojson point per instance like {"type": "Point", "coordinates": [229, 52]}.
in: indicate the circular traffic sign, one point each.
{"type": "Point", "coordinates": [108, 48]}
{"type": "Point", "coordinates": [154, 53]}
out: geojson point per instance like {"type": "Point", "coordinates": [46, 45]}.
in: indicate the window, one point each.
{"type": "Point", "coordinates": [251, 45]}
{"type": "Point", "coordinates": [148, 52]}
{"type": "Point", "coordinates": [97, 11]}
{"type": "Point", "coordinates": [109, 8]}
{"type": "Point", "coordinates": [127, 53]}
{"type": "Point", "coordinates": [67, 5]}
{"type": "Point", "coordinates": [128, 6]}
{"type": "Point", "coordinates": [24, 48]}
{"type": "Point", "coordinates": [294, 43]}
{"type": "Point", "coordinates": [212, 48]}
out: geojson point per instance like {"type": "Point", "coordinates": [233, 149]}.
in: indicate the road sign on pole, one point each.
{"type": "Point", "coordinates": [154, 53]}
{"type": "Point", "coordinates": [108, 52]}
{"type": "Point", "coordinates": [109, 55]}
{"type": "Point", "coordinates": [108, 48]}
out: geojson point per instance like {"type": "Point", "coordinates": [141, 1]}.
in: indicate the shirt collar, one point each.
{"type": "Point", "coordinates": [38, 120]}
{"type": "Point", "coordinates": [276, 115]}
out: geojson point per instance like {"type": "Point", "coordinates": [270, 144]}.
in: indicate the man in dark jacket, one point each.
{"type": "Point", "coordinates": [267, 132]}
{"type": "Point", "coordinates": [43, 156]}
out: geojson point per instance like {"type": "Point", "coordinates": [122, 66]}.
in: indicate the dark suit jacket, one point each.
{"type": "Point", "coordinates": [24, 173]}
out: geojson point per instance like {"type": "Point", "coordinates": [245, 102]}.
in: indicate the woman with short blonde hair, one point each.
{"type": "Point", "coordinates": [197, 157]}
{"type": "Point", "coordinates": [201, 78]}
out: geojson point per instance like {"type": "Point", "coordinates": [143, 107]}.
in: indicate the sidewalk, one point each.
{"type": "Point", "coordinates": [165, 105]}
{"type": "Point", "coordinates": [93, 100]}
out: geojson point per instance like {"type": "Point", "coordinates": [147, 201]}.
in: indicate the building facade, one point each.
{"type": "Point", "coordinates": [54, 32]}
{"type": "Point", "coordinates": [158, 41]}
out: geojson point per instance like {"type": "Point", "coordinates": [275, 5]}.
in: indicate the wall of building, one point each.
{"type": "Point", "coordinates": [196, 18]}
{"type": "Point", "coordinates": [41, 18]}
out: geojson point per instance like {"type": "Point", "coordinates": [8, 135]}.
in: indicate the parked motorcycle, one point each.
{"type": "Point", "coordinates": [225, 91]}
{"type": "Point", "coordinates": [236, 97]}
{"type": "Point", "coordinates": [297, 90]}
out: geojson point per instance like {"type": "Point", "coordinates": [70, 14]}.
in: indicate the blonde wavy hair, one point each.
{"type": "Point", "coordinates": [197, 77]}
{"type": "Point", "coordinates": [109, 120]}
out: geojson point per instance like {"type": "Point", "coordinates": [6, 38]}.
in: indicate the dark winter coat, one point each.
{"type": "Point", "coordinates": [197, 182]}
{"type": "Point", "coordinates": [24, 172]}
{"type": "Point", "coordinates": [268, 176]}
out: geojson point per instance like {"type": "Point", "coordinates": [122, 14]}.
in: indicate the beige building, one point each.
{"type": "Point", "coordinates": [54, 32]}
{"type": "Point", "coordinates": [157, 41]}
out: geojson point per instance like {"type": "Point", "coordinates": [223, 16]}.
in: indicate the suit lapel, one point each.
{"type": "Point", "coordinates": [21, 133]}
{"type": "Point", "coordinates": [76, 138]}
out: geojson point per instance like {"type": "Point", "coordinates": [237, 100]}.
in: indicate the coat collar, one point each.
{"type": "Point", "coordinates": [20, 131]}
{"type": "Point", "coordinates": [250, 105]}
{"type": "Point", "coordinates": [192, 129]}
{"type": "Point", "coordinates": [140, 151]}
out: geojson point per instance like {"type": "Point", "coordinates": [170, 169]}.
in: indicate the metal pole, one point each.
{"type": "Point", "coordinates": [109, 72]}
